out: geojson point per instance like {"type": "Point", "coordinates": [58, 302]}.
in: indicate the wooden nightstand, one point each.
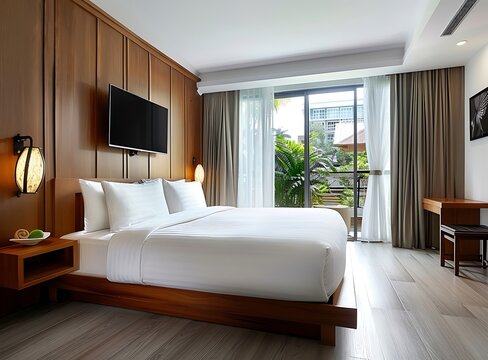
{"type": "Point", "coordinates": [24, 266]}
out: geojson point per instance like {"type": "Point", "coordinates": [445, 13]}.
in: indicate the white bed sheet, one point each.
{"type": "Point", "coordinates": [93, 251]}
{"type": "Point", "coordinates": [284, 254]}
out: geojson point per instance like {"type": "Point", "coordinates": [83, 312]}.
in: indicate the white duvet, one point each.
{"type": "Point", "coordinates": [282, 253]}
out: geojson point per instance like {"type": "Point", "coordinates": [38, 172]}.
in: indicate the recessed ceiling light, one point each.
{"type": "Point", "coordinates": [462, 42]}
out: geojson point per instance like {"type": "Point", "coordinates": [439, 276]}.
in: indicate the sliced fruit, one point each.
{"type": "Point", "coordinates": [36, 234]}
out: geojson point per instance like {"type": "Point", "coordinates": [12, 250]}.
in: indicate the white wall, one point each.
{"type": "Point", "coordinates": [476, 152]}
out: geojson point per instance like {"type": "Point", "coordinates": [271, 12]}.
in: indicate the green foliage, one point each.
{"type": "Point", "coordinates": [362, 162]}
{"type": "Point", "coordinates": [347, 198]}
{"type": "Point", "coordinates": [324, 159]}
{"type": "Point", "coordinates": [279, 102]}
{"type": "Point", "coordinates": [349, 166]}
{"type": "Point", "coordinates": [290, 172]}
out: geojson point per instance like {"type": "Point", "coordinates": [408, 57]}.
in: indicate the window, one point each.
{"type": "Point", "coordinates": [331, 125]}
{"type": "Point", "coordinates": [347, 112]}
{"type": "Point", "coordinates": [330, 137]}
{"type": "Point", "coordinates": [317, 114]}
{"type": "Point", "coordinates": [333, 113]}
{"type": "Point", "coordinates": [360, 112]}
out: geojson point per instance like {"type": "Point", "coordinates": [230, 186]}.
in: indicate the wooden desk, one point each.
{"type": "Point", "coordinates": [460, 212]}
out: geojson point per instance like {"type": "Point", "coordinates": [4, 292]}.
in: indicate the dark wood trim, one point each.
{"type": "Point", "coordinates": [308, 319]}
{"type": "Point", "coordinates": [109, 20]}
{"type": "Point", "coordinates": [95, 101]}
{"type": "Point", "coordinates": [48, 104]}
{"type": "Point", "coordinates": [126, 85]}
{"type": "Point", "coordinates": [79, 212]}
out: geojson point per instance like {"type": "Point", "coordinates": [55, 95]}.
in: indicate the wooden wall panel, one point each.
{"type": "Point", "coordinates": [138, 83]}
{"type": "Point", "coordinates": [99, 13]}
{"type": "Point", "coordinates": [76, 34]}
{"type": "Point", "coordinates": [21, 111]}
{"type": "Point", "coordinates": [56, 61]}
{"type": "Point", "coordinates": [21, 107]}
{"type": "Point", "coordinates": [110, 70]}
{"type": "Point", "coordinates": [177, 125]}
{"type": "Point", "coordinates": [160, 93]}
{"type": "Point", "coordinates": [193, 128]}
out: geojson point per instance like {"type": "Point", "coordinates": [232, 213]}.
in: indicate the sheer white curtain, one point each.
{"type": "Point", "coordinates": [376, 224]}
{"type": "Point", "coordinates": [256, 148]}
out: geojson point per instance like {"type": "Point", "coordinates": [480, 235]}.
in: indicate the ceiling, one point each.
{"type": "Point", "coordinates": [253, 43]}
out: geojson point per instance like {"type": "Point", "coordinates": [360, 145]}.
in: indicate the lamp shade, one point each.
{"type": "Point", "coordinates": [29, 170]}
{"type": "Point", "coordinates": [199, 173]}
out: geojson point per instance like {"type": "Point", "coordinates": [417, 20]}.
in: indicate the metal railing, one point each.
{"type": "Point", "coordinates": [339, 181]}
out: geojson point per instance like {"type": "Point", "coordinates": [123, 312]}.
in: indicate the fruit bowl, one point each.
{"type": "Point", "coordinates": [33, 241]}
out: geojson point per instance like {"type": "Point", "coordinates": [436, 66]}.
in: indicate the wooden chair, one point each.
{"type": "Point", "coordinates": [457, 234]}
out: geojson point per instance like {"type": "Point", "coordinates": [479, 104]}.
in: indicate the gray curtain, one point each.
{"type": "Point", "coordinates": [220, 147]}
{"type": "Point", "coordinates": [427, 150]}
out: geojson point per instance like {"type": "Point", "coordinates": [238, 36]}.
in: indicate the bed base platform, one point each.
{"type": "Point", "coordinates": [306, 319]}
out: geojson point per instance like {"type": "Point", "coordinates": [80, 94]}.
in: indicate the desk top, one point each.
{"type": "Point", "coordinates": [436, 204]}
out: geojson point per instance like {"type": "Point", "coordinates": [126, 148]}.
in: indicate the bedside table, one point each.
{"type": "Point", "coordinates": [24, 266]}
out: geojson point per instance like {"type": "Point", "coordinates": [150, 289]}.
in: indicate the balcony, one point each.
{"type": "Point", "coordinates": [340, 196]}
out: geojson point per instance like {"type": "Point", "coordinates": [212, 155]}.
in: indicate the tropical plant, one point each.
{"type": "Point", "coordinates": [347, 198]}
{"type": "Point", "coordinates": [290, 172]}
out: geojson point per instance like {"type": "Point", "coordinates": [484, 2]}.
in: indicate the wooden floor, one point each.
{"type": "Point", "coordinates": [408, 308]}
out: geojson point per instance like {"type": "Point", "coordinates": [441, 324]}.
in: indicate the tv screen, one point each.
{"type": "Point", "coordinates": [136, 123]}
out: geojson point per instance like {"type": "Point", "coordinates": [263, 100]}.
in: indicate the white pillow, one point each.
{"type": "Point", "coordinates": [133, 204]}
{"type": "Point", "coordinates": [181, 196]}
{"type": "Point", "coordinates": [149, 180]}
{"type": "Point", "coordinates": [96, 214]}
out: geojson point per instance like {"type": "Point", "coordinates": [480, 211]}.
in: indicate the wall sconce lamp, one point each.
{"type": "Point", "coordinates": [199, 173]}
{"type": "Point", "coordinates": [29, 170]}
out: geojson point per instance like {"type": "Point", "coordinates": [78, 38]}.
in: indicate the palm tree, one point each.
{"type": "Point", "coordinates": [290, 172]}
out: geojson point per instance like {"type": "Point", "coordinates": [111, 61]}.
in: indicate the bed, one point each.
{"type": "Point", "coordinates": [286, 273]}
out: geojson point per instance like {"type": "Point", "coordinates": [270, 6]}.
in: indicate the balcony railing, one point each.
{"type": "Point", "coordinates": [339, 182]}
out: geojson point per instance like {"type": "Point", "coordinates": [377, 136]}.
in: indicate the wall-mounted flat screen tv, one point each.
{"type": "Point", "coordinates": [136, 123]}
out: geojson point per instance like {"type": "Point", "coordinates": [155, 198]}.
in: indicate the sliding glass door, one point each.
{"type": "Point", "coordinates": [320, 155]}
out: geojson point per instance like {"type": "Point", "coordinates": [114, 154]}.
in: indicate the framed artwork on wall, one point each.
{"type": "Point", "coordinates": [478, 115]}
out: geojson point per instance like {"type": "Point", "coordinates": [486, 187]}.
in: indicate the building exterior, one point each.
{"type": "Point", "coordinates": [328, 115]}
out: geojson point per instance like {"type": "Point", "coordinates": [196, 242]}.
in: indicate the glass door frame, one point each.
{"type": "Point", "coordinates": [306, 118]}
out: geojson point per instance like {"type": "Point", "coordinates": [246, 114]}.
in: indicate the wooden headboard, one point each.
{"type": "Point", "coordinates": [79, 212]}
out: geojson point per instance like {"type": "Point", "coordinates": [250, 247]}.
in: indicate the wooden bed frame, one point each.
{"type": "Point", "coordinates": [307, 319]}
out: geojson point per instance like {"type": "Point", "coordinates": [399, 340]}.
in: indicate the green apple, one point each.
{"type": "Point", "coordinates": [36, 234]}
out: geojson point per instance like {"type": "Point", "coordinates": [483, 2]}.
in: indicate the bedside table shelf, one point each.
{"type": "Point", "coordinates": [24, 266]}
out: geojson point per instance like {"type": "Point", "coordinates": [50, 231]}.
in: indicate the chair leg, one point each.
{"type": "Point", "coordinates": [442, 250]}
{"type": "Point", "coordinates": [457, 254]}
{"type": "Point", "coordinates": [483, 253]}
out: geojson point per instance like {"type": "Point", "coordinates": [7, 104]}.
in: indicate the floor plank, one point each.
{"type": "Point", "coordinates": [439, 338]}
{"type": "Point", "coordinates": [381, 294]}
{"type": "Point", "coordinates": [158, 333]}
{"type": "Point", "coordinates": [399, 339]}
{"type": "Point", "coordinates": [473, 334]}
{"type": "Point", "coordinates": [408, 308]}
